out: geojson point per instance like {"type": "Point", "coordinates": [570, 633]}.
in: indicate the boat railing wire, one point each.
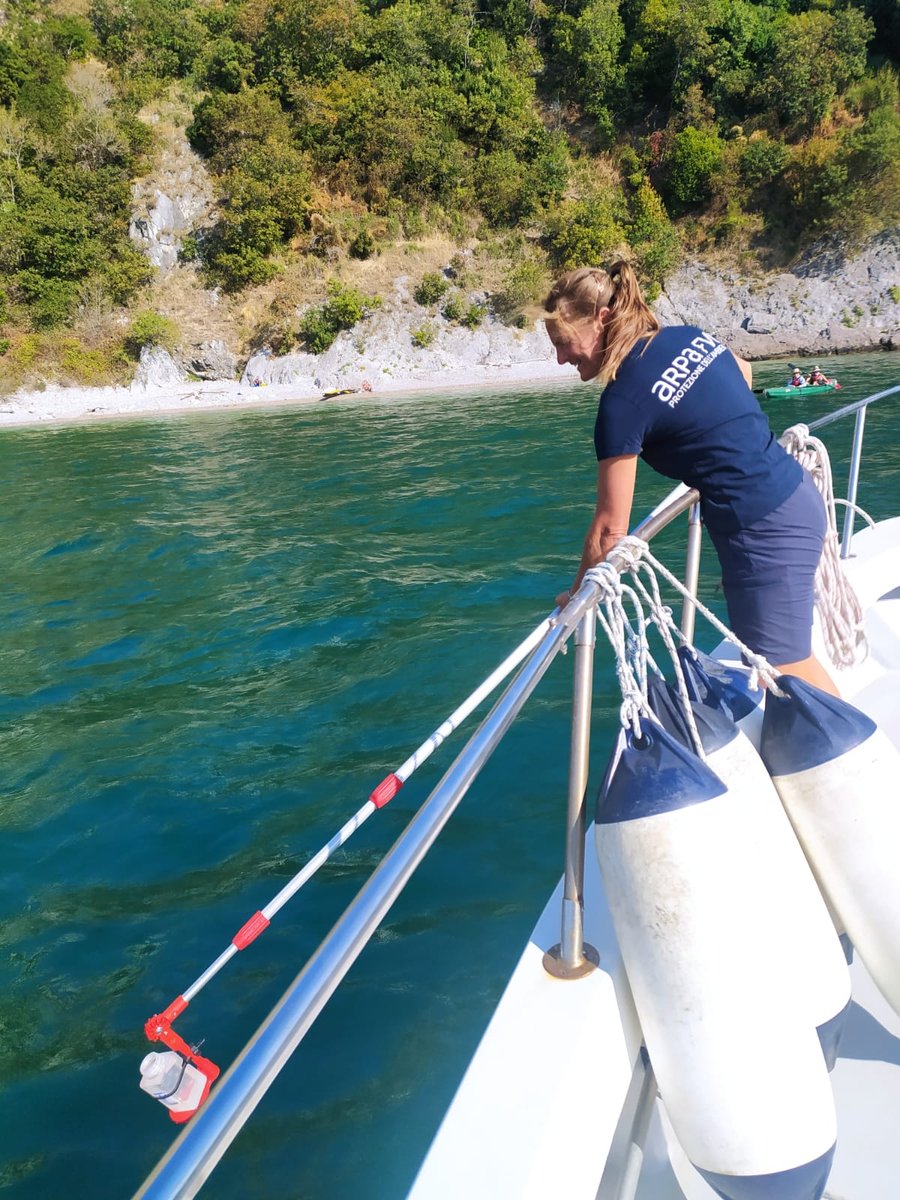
{"type": "Point", "coordinates": [182, 1172]}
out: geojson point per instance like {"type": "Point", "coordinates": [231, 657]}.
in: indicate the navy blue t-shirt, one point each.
{"type": "Point", "coordinates": [681, 403]}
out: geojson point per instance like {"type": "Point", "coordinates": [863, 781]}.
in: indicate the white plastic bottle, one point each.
{"type": "Point", "coordinates": [172, 1080]}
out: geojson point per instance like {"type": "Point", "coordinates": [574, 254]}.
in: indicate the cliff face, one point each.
{"type": "Point", "coordinates": [833, 301]}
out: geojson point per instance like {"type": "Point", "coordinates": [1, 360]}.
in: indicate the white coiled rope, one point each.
{"type": "Point", "coordinates": [840, 612]}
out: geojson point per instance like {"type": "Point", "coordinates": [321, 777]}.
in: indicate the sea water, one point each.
{"type": "Point", "coordinates": [220, 631]}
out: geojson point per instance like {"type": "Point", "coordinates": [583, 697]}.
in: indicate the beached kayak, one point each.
{"type": "Point", "coordinates": [332, 392]}
{"type": "Point", "coordinates": [780, 392]}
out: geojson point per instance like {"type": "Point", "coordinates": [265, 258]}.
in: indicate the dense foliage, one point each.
{"type": "Point", "coordinates": [332, 126]}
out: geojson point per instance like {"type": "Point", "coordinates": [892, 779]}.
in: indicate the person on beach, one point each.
{"type": "Point", "coordinates": [679, 399]}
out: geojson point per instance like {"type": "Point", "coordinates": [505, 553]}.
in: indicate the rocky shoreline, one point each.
{"type": "Point", "coordinates": [832, 302]}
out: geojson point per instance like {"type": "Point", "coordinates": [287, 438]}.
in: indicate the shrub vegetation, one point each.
{"type": "Point", "coordinates": [343, 308]}
{"type": "Point", "coordinates": [331, 127]}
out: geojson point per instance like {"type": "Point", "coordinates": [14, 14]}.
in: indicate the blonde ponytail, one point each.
{"type": "Point", "coordinates": [579, 295]}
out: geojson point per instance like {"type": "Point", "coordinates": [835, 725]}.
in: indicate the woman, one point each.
{"type": "Point", "coordinates": [680, 400]}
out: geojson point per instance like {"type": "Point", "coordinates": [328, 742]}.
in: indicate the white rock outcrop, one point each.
{"type": "Point", "coordinates": [380, 351]}
{"type": "Point", "coordinates": [156, 368]}
{"type": "Point", "coordinates": [172, 201]}
{"type": "Point", "coordinates": [833, 300]}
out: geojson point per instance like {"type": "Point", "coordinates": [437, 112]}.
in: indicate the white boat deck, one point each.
{"type": "Point", "coordinates": [540, 1110]}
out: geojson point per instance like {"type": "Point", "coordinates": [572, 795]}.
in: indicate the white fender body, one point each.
{"type": "Point", "coordinates": [784, 893]}
{"type": "Point", "coordinates": [738, 1062]}
{"type": "Point", "coordinates": [815, 965]}
{"type": "Point", "coordinates": [844, 803]}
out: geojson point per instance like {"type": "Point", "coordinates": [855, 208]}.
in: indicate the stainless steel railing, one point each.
{"type": "Point", "coordinates": [193, 1156]}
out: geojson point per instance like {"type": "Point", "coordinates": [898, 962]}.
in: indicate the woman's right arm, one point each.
{"type": "Point", "coordinates": [612, 515]}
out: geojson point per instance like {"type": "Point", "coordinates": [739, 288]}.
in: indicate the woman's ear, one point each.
{"type": "Point", "coordinates": [601, 317]}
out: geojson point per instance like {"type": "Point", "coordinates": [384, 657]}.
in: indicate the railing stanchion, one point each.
{"type": "Point", "coordinates": [572, 958]}
{"type": "Point", "coordinates": [691, 570]}
{"type": "Point", "coordinates": [853, 481]}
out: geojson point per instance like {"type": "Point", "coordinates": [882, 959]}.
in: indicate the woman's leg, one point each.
{"type": "Point", "coordinates": [811, 671]}
{"type": "Point", "coordinates": [768, 575]}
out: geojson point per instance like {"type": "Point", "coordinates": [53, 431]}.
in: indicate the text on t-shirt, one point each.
{"type": "Point", "coordinates": [679, 377]}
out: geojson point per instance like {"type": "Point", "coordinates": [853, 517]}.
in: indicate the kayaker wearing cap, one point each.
{"type": "Point", "coordinates": [680, 400]}
{"type": "Point", "coordinates": [796, 379]}
{"type": "Point", "coordinates": [818, 379]}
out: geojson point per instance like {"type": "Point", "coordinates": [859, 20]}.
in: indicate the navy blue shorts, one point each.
{"type": "Point", "coordinates": [769, 572]}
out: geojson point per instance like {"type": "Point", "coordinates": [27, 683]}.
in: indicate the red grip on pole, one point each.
{"type": "Point", "coordinates": [175, 1009]}
{"type": "Point", "coordinates": [386, 790]}
{"type": "Point", "coordinates": [250, 931]}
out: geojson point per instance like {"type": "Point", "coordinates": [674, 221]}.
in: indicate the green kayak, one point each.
{"type": "Point", "coordinates": [780, 393]}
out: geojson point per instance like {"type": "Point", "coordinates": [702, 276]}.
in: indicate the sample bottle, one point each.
{"type": "Point", "coordinates": [172, 1080]}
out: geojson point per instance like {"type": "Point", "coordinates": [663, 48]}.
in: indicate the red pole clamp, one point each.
{"type": "Point", "coordinates": [159, 1028]}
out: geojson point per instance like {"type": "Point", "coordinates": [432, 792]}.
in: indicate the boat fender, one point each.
{"type": "Point", "coordinates": [717, 684]}
{"type": "Point", "coordinates": [836, 773]}
{"type": "Point", "coordinates": [786, 893]}
{"type": "Point", "coordinates": [736, 1057]}
{"type": "Point", "coordinates": [714, 723]}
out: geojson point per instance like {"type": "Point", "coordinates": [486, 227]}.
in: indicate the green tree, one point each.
{"type": "Point", "coordinates": [154, 39]}
{"type": "Point", "coordinates": [652, 235]}
{"type": "Point", "coordinates": [150, 328]}
{"type": "Point", "coordinates": [344, 307]}
{"type": "Point", "coordinates": [762, 160]}
{"type": "Point", "coordinates": [816, 55]}
{"type": "Point", "coordinates": [586, 232]}
{"type": "Point", "coordinates": [693, 162]}
{"type": "Point", "coordinates": [587, 45]}
{"type": "Point", "coordinates": [819, 182]}
{"type": "Point", "coordinates": [296, 40]}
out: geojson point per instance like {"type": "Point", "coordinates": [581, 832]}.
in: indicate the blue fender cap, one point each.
{"type": "Point", "coordinates": [715, 726]}
{"type": "Point", "coordinates": [652, 775]}
{"type": "Point", "coordinates": [830, 1034]}
{"type": "Point", "coordinates": [807, 727]}
{"type": "Point", "coordinates": [806, 1182]}
{"type": "Point", "coordinates": [712, 683]}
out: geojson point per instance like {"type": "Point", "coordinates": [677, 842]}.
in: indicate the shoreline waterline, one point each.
{"type": "Point", "coordinates": [73, 405]}
{"type": "Point", "coordinates": [60, 405]}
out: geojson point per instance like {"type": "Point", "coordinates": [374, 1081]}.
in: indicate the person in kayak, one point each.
{"type": "Point", "coordinates": [797, 379]}
{"type": "Point", "coordinates": [679, 399]}
{"type": "Point", "coordinates": [817, 378]}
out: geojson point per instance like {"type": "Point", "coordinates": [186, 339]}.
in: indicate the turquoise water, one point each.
{"type": "Point", "coordinates": [220, 632]}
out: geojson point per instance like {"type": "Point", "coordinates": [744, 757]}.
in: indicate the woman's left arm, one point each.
{"type": "Point", "coordinates": [612, 514]}
{"type": "Point", "coordinates": [745, 368]}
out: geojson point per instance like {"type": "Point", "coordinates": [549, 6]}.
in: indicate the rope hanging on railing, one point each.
{"type": "Point", "coordinates": [630, 647]}
{"type": "Point", "coordinates": [627, 645]}
{"type": "Point", "coordinates": [634, 553]}
{"type": "Point", "coordinates": [663, 619]}
{"type": "Point", "coordinates": [840, 612]}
